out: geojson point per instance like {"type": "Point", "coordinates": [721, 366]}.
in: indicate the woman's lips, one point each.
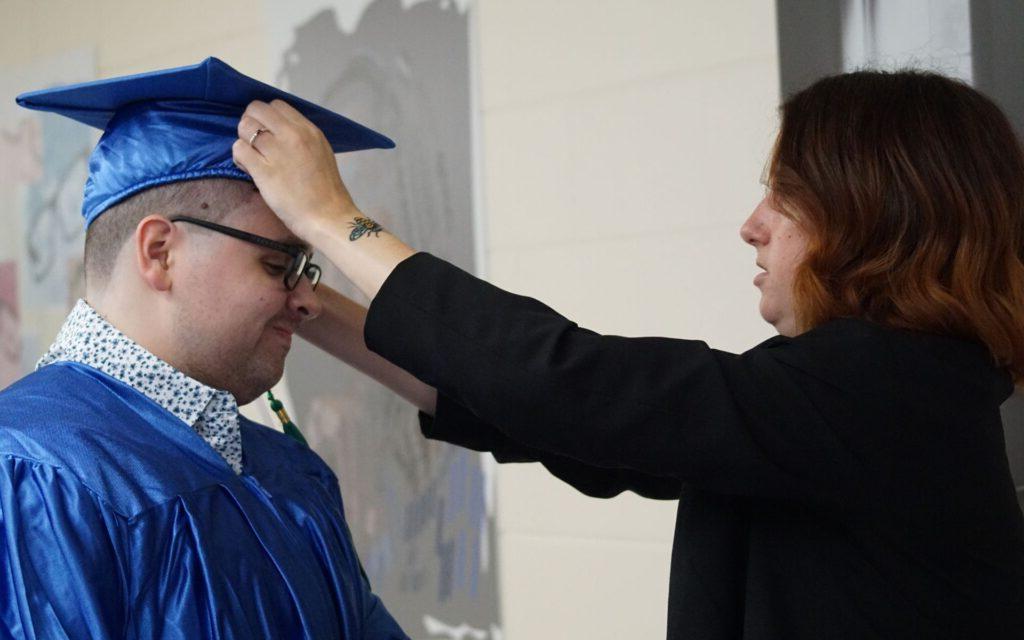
{"type": "Point", "coordinates": [759, 278]}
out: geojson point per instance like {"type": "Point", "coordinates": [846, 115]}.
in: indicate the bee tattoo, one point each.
{"type": "Point", "coordinates": [362, 227]}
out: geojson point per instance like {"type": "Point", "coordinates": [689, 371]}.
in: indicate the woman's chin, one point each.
{"type": "Point", "coordinates": [784, 326]}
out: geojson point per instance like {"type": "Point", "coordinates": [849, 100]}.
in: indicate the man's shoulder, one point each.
{"type": "Point", "coordinates": [58, 402]}
{"type": "Point", "coordinates": [73, 419]}
{"type": "Point", "coordinates": [268, 450]}
{"type": "Point", "coordinates": [35, 403]}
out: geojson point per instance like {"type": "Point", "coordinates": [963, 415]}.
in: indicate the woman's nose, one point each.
{"type": "Point", "coordinates": [751, 230]}
{"type": "Point", "coordinates": [755, 230]}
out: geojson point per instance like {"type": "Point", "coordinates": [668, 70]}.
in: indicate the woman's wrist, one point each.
{"type": "Point", "coordinates": [361, 249]}
{"type": "Point", "coordinates": [332, 224]}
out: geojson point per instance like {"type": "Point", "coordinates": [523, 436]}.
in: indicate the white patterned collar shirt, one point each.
{"type": "Point", "coordinates": [87, 338]}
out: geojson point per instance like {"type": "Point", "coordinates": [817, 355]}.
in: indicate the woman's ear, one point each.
{"type": "Point", "coordinates": [155, 239]}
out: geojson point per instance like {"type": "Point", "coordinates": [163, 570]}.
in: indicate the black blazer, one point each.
{"type": "Point", "coordinates": [848, 483]}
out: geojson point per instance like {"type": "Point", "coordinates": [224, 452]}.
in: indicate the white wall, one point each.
{"type": "Point", "coordinates": [623, 143]}
{"type": "Point", "coordinates": [622, 146]}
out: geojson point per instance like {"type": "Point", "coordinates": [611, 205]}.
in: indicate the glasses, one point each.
{"type": "Point", "coordinates": [300, 266]}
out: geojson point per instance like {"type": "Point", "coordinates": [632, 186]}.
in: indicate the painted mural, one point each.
{"type": "Point", "coordinates": [421, 512]}
{"type": "Point", "coordinates": [43, 166]}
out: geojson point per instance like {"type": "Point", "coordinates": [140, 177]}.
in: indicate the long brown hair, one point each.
{"type": "Point", "coordinates": [911, 188]}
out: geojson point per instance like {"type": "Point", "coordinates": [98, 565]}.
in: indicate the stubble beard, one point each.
{"type": "Point", "coordinates": [244, 371]}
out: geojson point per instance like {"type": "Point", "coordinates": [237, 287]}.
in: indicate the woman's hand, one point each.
{"type": "Point", "coordinates": [294, 168]}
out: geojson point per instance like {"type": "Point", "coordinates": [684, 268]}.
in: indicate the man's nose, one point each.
{"type": "Point", "coordinates": [304, 301]}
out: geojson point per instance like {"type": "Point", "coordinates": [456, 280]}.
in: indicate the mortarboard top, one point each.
{"type": "Point", "coordinates": [175, 124]}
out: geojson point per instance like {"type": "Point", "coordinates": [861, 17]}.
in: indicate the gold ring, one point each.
{"type": "Point", "coordinates": [252, 138]}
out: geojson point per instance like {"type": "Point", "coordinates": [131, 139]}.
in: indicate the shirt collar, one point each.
{"type": "Point", "coordinates": [88, 338]}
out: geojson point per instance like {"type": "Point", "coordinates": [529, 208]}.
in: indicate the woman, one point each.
{"type": "Point", "coordinates": [846, 479]}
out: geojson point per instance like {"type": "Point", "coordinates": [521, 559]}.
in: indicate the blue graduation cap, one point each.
{"type": "Point", "coordinates": [175, 124]}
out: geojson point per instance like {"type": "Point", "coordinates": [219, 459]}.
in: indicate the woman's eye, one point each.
{"type": "Point", "coordinates": [274, 269]}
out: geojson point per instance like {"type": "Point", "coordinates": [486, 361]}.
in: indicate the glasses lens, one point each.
{"type": "Point", "coordinates": [313, 273]}
{"type": "Point", "coordinates": [299, 262]}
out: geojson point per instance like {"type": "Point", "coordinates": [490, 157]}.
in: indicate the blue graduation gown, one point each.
{"type": "Point", "coordinates": [119, 521]}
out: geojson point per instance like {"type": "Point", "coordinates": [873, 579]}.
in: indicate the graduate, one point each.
{"type": "Point", "coordinates": [135, 500]}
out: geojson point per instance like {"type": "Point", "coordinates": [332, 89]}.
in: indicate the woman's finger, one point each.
{"type": "Point", "coordinates": [270, 117]}
{"type": "Point", "coordinates": [248, 158]}
{"type": "Point", "coordinates": [289, 112]}
{"type": "Point", "coordinates": [248, 126]}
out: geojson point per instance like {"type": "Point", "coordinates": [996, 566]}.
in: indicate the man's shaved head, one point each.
{"type": "Point", "coordinates": [210, 199]}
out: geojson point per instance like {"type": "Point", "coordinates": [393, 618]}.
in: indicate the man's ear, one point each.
{"type": "Point", "coordinates": [154, 239]}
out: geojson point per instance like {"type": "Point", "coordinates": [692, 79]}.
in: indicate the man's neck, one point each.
{"type": "Point", "coordinates": [147, 329]}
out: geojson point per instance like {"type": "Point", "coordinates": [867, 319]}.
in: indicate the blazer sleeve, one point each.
{"type": "Point", "coordinates": [453, 423]}
{"type": "Point", "coordinates": [759, 423]}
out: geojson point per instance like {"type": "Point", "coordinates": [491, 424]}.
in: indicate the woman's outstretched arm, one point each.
{"type": "Point", "coordinates": [338, 330]}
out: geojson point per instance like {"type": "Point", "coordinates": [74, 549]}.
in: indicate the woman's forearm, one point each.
{"type": "Point", "coordinates": [339, 331]}
{"type": "Point", "coordinates": [363, 250]}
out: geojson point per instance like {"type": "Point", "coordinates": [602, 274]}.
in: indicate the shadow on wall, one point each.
{"type": "Point", "coordinates": [417, 509]}
{"type": "Point", "coordinates": [1013, 427]}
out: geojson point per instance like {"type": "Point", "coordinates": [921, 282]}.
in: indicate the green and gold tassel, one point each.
{"type": "Point", "coordinates": [286, 423]}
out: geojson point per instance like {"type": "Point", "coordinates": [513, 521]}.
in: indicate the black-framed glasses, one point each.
{"type": "Point", "coordinates": [300, 266]}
